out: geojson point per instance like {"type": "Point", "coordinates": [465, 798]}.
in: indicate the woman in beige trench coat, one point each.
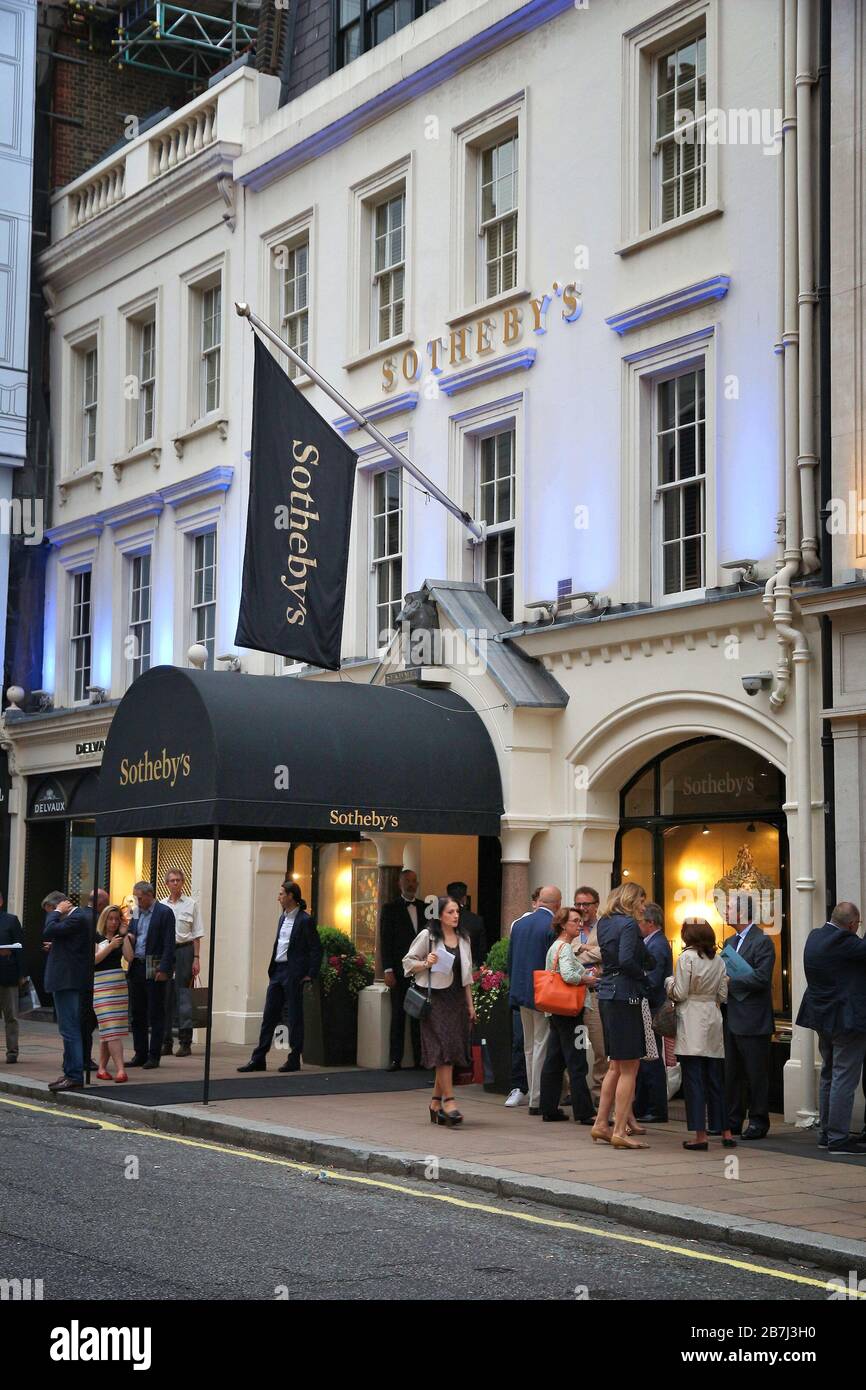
{"type": "Point", "coordinates": [699, 988]}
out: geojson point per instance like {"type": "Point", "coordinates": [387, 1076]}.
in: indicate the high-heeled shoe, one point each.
{"type": "Point", "coordinates": [617, 1142]}
{"type": "Point", "coordinates": [436, 1116]}
{"type": "Point", "coordinates": [450, 1117]}
{"type": "Point", "coordinates": [600, 1136]}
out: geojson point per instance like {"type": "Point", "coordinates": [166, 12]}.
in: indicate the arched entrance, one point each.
{"type": "Point", "coordinates": [703, 815]}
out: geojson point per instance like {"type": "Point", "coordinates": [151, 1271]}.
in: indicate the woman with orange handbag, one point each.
{"type": "Point", "coordinates": [566, 1047]}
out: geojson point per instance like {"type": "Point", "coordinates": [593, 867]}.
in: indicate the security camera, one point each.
{"type": "Point", "coordinates": [752, 684]}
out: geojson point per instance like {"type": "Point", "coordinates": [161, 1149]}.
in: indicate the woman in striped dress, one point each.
{"type": "Point", "coordinates": [111, 992]}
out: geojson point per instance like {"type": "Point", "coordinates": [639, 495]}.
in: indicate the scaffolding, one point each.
{"type": "Point", "coordinates": [186, 43]}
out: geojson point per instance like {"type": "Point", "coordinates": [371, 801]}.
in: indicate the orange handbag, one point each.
{"type": "Point", "coordinates": [553, 995]}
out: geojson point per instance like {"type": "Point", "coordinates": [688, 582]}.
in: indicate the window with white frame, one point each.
{"type": "Point", "coordinates": [293, 268]}
{"type": "Point", "coordinates": [389, 268]}
{"type": "Point", "coordinates": [681, 482]}
{"type": "Point", "coordinates": [679, 133]}
{"type": "Point", "coordinates": [670, 81]}
{"type": "Point", "coordinates": [81, 633]}
{"type": "Point", "coordinates": [386, 553]}
{"type": "Point", "coordinates": [138, 630]}
{"type": "Point", "coordinates": [146, 381]}
{"type": "Point", "coordinates": [204, 593]}
{"type": "Point", "coordinates": [89, 403]}
{"type": "Point", "coordinates": [207, 337]}
{"type": "Point", "coordinates": [498, 212]}
{"type": "Point", "coordinates": [496, 484]}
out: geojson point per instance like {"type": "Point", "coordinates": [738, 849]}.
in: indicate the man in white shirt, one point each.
{"type": "Point", "coordinates": [188, 938]}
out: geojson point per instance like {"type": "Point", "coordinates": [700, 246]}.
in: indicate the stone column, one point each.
{"type": "Point", "coordinates": [515, 873]}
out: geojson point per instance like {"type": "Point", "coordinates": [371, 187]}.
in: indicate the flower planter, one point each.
{"type": "Point", "coordinates": [330, 1026]}
{"type": "Point", "coordinates": [495, 1032]}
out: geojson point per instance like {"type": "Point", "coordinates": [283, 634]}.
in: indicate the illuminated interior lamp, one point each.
{"type": "Point", "coordinates": [750, 828]}
{"type": "Point", "coordinates": [706, 830]}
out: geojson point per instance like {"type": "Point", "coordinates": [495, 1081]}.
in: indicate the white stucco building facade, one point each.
{"type": "Point", "coordinates": [587, 323]}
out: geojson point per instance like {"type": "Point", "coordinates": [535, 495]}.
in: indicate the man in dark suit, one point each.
{"type": "Point", "coordinates": [68, 938]}
{"type": "Point", "coordinates": [399, 924]}
{"type": "Point", "coordinates": [749, 1021]}
{"type": "Point", "coordinates": [295, 961]}
{"type": "Point", "coordinates": [471, 921]}
{"type": "Point", "coordinates": [834, 1005]}
{"type": "Point", "coordinates": [12, 974]}
{"type": "Point", "coordinates": [152, 935]}
{"type": "Point", "coordinates": [651, 1091]}
{"type": "Point", "coordinates": [530, 940]}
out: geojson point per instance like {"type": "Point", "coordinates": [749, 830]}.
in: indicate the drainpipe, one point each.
{"type": "Point", "coordinates": [807, 460]}
{"type": "Point", "coordinates": [777, 594]}
{"type": "Point", "coordinates": [779, 345]}
{"type": "Point", "coordinates": [801, 545]}
{"type": "Point", "coordinates": [825, 446]}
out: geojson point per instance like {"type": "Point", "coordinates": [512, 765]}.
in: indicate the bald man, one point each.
{"type": "Point", "coordinates": [530, 940]}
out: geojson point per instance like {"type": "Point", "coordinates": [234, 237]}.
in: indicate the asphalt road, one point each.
{"type": "Point", "coordinates": [106, 1214]}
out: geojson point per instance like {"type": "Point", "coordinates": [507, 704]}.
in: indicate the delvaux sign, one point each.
{"type": "Point", "coordinates": [480, 337]}
{"type": "Point", "coordinates": [89, 747]}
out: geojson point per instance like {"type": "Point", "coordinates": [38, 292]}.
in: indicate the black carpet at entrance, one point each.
{"type": "Point", "coordinates": [261, 1085]}
{"type": "Point", "coordinates": [802, 1144]}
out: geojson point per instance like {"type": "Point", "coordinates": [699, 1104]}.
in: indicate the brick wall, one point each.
{"type": "Point", "coordinates": [102, 96]}
{"type": "Point", "coordinates": [311, 52]}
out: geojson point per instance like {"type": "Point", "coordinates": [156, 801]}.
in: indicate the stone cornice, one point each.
{"type": "Point", "coordinates": [139, 217]}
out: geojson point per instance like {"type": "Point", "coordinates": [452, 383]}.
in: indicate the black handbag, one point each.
{"type": "Point", "coordinates": [665, 1020]}
{"type": "Point", "coordinates": [416, 1003]}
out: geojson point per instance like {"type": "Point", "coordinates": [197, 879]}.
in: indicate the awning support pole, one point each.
{"type": "Point", "coordinates": [475, 529]}
{"type": "Point", "coordinates": [210, 964]}
{"type": "Point", "coordinates": [87, 1011]}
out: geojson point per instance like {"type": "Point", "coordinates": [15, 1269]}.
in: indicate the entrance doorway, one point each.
{"type": "Point", "coordinates": [702, 818]}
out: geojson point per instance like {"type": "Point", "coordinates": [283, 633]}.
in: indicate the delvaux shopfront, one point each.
{"type": "Point", "coordinates": [59, 846]}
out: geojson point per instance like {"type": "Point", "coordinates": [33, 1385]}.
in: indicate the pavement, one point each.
{"type": "Point", "coordinates": [780, 1199]}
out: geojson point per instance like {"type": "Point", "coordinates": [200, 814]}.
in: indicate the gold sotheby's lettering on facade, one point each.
{"type": "Point", "coordinates": [477, 338]}
{"type": "Point", "coordinates": [371, 820]}
{"type": "Point", "coordinates": [162, 768]}
{"type": "Point", "coordinates": [299, 519]}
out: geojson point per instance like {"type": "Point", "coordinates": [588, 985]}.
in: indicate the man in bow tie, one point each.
{"type": "Point", "coordinates": [295, 961]}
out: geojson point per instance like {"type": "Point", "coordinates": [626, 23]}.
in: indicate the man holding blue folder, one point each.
{"type": "Point", "coordinates": [749, 958]}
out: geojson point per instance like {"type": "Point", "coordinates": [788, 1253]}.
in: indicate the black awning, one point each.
{"type": "Point", "coordinates": [271, 757]}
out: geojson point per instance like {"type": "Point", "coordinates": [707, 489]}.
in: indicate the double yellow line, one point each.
{"type": "Point", "coordinates": [430, 1195]}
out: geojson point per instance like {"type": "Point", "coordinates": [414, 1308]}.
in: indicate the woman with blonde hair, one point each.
{"type": "Point", "coordinates": [622, 996]}
{"type": "Point", "coordinates": [111, 991]}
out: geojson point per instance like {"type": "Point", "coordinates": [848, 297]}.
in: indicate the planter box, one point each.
{"type": "Point", "coordinates": [330, 1026]}
{"type": "Point", "coordinates": [495, 1032]}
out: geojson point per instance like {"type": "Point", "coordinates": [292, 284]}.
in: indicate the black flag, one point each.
{"type": "Point", "coordinates": [302, 476]}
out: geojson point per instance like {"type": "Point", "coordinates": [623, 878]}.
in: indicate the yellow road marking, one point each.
{"type": "Point", "coordinates": [431, 1196]}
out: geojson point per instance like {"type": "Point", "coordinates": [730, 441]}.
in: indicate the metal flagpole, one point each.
{"type": "Point", "coordinates": [475, 528]}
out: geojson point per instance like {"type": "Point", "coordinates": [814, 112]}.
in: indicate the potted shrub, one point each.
{"type": "Point", "coordinates": [493, 1008]}
{"type": "Point", "coordinates": [331, 1004]}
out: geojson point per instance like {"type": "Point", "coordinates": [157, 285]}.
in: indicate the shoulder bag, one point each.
{"type": "Point", "coordinates": [416, 1003]}
{"type": "Point", "coordinates": [665, 1020]}
{"type": "Point", "coordinates": [553, 995]}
